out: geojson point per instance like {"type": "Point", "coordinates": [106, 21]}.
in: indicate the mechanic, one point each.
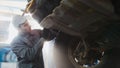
{"type": "Point", "coordinates": [27, 45]}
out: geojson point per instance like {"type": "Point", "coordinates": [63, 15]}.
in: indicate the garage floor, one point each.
{"type": "Point", "coordinates": [8, 65]}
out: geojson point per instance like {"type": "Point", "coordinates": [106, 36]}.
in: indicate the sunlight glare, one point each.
{"type": "Point", "coordinates": [34, 24]}
{"type": "Point", "coordinates": [12, 33]}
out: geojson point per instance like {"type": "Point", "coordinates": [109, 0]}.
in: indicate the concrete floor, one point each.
{"type": "Point", "coordinates": [8, 65]}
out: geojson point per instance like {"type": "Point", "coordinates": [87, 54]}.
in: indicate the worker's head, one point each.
{"type": "Point", "coordinates": [21, 23]}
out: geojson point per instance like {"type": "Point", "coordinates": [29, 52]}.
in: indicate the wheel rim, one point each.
{"type": "Point", "coordinates": [77, 59]}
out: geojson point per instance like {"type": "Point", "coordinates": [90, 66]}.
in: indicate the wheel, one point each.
{"type": "Point", "coordinates": [73, 52]}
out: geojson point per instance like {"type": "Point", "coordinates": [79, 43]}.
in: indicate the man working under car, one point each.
{"type": "Point", "coordinates": [28, 44]}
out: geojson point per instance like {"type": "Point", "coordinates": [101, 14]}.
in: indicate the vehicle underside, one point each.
{"type": "Point", "coordinates": [86, 32]}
